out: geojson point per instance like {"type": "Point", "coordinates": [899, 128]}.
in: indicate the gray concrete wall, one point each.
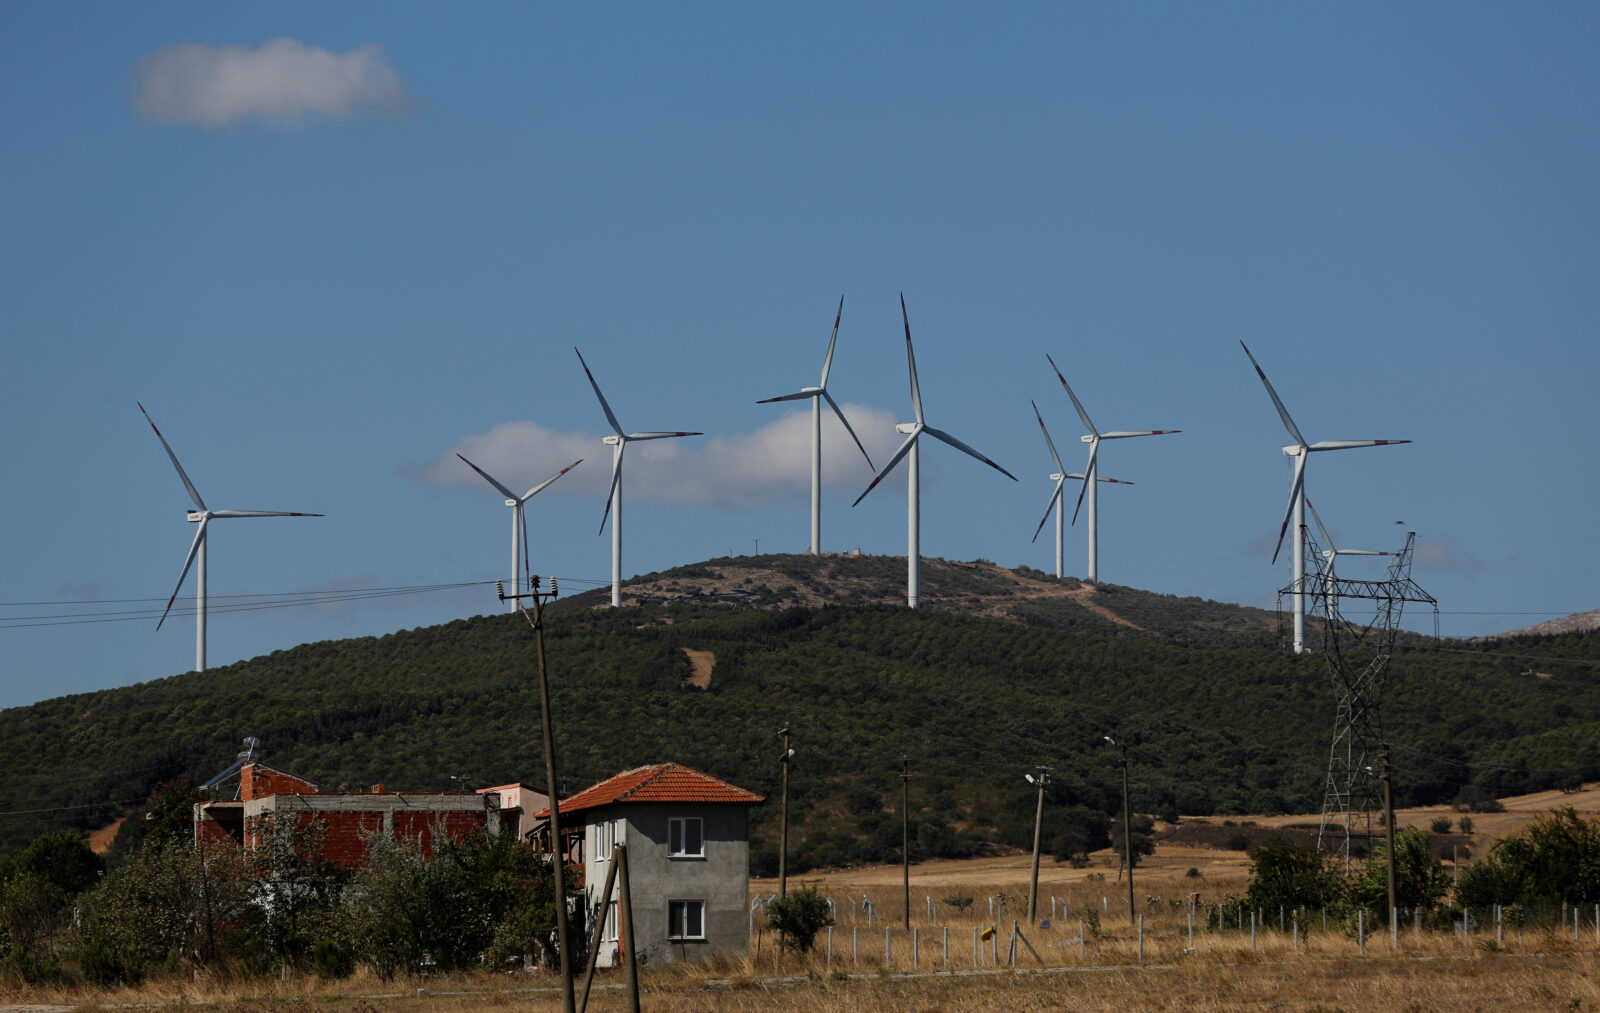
{"type": "Point", "coordinates": [721, 878]}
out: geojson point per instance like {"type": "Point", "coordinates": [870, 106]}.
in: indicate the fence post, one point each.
{"type": "Point", "coordinates": [947, 946]}
{"type": "Point", "coordinates": [888, 943]}
{"type": "Point", "coordinates": [1141, 939]}
{"type": "Point", "coordinates": [1394, 929]}
{"type": "Point", "coordinates": [1252, 931]}
{"type": "Point", "coordinates": [916, 947]}
{"type": "Point", "coordinates": [1361, 929]}
{"type": "Point", "coordinates": [830, 947]}
{"type": "Point", "coordinates": [1081, 942]}
{"type": "Point", "coordinates": [855, 945]}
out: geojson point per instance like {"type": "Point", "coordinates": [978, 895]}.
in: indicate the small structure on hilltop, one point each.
{"type": "Point", "coordinates": [688, 841]}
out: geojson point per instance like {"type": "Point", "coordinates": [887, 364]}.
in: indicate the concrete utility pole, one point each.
{"type": "Point", "coordinates": [905, 834]}
{"type": "Point", "coordinates": [1038, 822]}
{"type": "Point", "coordinates": [1127, 830]}
{"type": "Point", "coordinates": [1388, 808]}
{"type": "Point", "coordinates": [783, 832]}
{"type": "Point", "coordinates": [568, 1005]}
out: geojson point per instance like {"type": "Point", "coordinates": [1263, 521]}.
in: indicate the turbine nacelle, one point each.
{"type": "Point", "coordinates": [612, 440]}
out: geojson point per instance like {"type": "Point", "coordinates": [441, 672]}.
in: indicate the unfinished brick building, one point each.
{"type": "Point", "coordinates": [352, 819]}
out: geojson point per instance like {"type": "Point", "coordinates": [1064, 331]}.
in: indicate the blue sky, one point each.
{"type": "Point", "coordinates": [328, 246]}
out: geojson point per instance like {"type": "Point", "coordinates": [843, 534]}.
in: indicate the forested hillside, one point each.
{"type": "Point", "coordinates": [1223, 719]}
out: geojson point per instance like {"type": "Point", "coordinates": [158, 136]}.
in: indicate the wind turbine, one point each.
{"type": "Point", "coordinates": [908, 449]}
{"type": "Point", "coordinates": [1331, 553]}
{"type": "Point", "coordinates": [519, 521]}
{"type": "Point", "coordinates": [817, 395]}
{"type": "Point", "coordinates": [618, 441]}
{"type": "Point", "coordinates": [197, 548]}
{"type": "Point", "coordinates": [1057, 501]}
{"type": "Point", "coordinates": [1093, 438]}
{"type": "Point", "coordinates": [1297, 497]}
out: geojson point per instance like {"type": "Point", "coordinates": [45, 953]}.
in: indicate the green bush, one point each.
{"type": "Point", "coordinates": [799, 917]}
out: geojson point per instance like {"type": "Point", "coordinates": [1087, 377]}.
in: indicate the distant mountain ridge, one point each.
{"type": "Point", "coordinates": [1581, 622]}
{"type": "Point", "coordinates": [977, 588]}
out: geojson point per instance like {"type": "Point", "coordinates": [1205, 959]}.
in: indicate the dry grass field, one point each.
{"type": "Point", "coordinates": [1073, 965]}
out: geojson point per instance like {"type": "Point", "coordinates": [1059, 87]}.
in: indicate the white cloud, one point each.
{"type": "Point", "coordinates": [284, 80]}
{"type": "Point", "coordinates": [744, 471]}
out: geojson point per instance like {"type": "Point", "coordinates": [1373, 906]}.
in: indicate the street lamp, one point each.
{"type": "Point", "coordinates": [1038, 821]}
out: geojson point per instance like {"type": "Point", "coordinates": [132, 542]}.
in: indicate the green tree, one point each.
{"type": "Point", "coordinates": [799, 917]}
{"type": "Point", "coordinates": [1419, 880]}
{"type": "Point", "coordinates": [1554, 859]}
{"type": "Point", "coordinates": [1286, 874]}
{"type": "Point", "coordinates": [36, 900]}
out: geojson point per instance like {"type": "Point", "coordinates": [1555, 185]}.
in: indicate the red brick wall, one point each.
{"type": "Point", "coordinates": [257, 781]}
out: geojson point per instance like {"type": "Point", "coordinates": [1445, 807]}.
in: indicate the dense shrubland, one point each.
{"type": "Point", "coordinates": [1222, 719]}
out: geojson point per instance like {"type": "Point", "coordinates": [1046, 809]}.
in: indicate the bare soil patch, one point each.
{"type": "Point", "coordinates": [700, 665]}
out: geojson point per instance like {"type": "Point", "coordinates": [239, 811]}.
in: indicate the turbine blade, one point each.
{"type": "Point", "coordinates": [616, 426]}
{"type": "Point", "coordinates": [1075, 402]}
{"type": "Point", "coordinates": [616, 476]}
{"type": "Point", "coordinates": [836, 410]}
{"type": "Point", "coordinates": [507, 493]}
{"type": "Point", "coordinates": [193, 493]}
{"type": "Point", "coordinates": [827, 362]}
{"type": "Point", "coordinates": [1060, 469]}
{"type": "Point", "coordinates": [659, 436]}
{"type": "Point", "coordinates": [1351, 444]}
{"type": "Point", "coordinates": [945, 437]}
{"type": "Point", "coordinates": [1283, 412]}
{"type": "Point", "coordinates": [798, 395]}
{"type": "Point", "coordinates": [1098, 478]}
{"type": "Point", "coordinates": [894, 460]}
{"type": "Point", "coordinates": [1054, 496]}
{"type": "Point", "coordinates": [1327, 539]}
{"type": "Point", "coordinates": [1294, 491]}
{"type": "Point", "coordinates": [261, 513]}
{"type": "Point", "coordinates": [1088, 469]}
{"type": "Point", "coordinates": [542, 485]}
{"type": "Point", "coordinates": [1122, 434]}
{"type": "Point", "coordinates": [188, 561]}
{"type": "Point", "coordinates": [911, 361]}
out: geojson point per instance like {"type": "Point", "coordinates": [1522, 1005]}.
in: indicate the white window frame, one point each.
{"type": "Point", "coordinates": [677, 836]}
{"type": "Point", "coordinates": [678, 912]}
{"type": "Point", "coordinates": [608, 933]}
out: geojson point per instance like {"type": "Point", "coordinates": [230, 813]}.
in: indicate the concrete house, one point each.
{"type": "Point", "coordinates": [688, 841]}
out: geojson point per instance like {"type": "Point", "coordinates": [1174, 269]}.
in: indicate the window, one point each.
{"type": "Point", "coordinates": [686, 919]}
{"type": "Point", "coordinates": [685, 837]}
{"type": "Point", "coordinates": [609, 934]}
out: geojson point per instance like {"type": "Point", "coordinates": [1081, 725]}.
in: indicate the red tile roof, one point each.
{"type": "Point", "coordinates": [657, 783]}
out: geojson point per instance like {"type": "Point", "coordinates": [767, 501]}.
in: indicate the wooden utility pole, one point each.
{"type": "Point", "coordinates": [1127, 830]}
{"type": "Point", "coordinates": [558, 853]}
{"type": "Point", "coordinates": [1038, 821]}
{"type": "Point", "coordinates": [783, 823]}
{"type": "Point", "coordinates": [905, 833]}
{"type": "Point", "coordinates": [1388, 809]}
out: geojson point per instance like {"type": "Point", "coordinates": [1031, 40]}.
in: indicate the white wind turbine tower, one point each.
{"type": "Point", "coordinates": [197, 548]}
{"type": "Point", "coordinates": [908, 449]}
{"type": "Point", "coordinates": [817, 395]}
{"type": "Point", "coordinates": [1093, 438]}
{"type": "Point", "coordinates": [1297, 497]}
{"type": "Point", "coordinates": [519, 521]}
{"type": "Point", "coordinates": [1057, 500]}
{"type": "Point", "coordinates": [618, 441]}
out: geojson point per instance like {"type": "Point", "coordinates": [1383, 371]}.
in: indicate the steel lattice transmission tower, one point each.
{"type": "Point", "coordinates": [1358, 658]}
